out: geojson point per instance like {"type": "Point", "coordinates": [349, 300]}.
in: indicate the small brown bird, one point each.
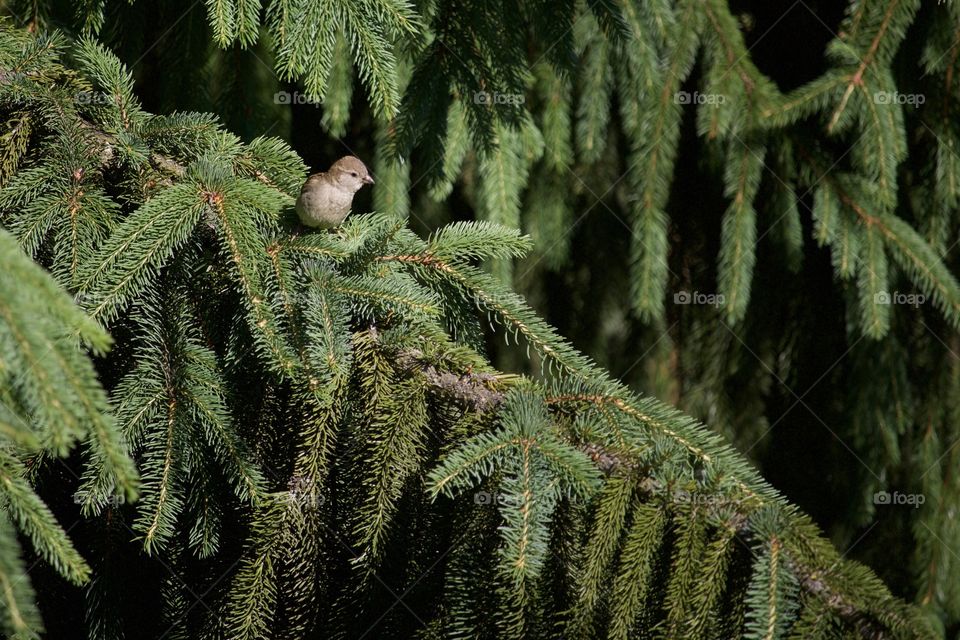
{"type": "Point", "coordinates": [326, 197]}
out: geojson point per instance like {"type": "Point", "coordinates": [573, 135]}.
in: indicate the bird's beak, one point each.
{"type": "Point", "coordinates": [368, 179]}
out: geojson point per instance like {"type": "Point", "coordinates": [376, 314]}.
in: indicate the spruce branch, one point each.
{"type": "Point", "coordinates": [345, 359]}
{"type": "Point", "coordinates": [474, 390]}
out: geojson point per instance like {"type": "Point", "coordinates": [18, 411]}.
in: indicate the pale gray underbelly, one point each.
{"type": "Point", "coordinates": [325, 207]}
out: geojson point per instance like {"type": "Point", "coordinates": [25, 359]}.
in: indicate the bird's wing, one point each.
{"type": "Point", "coordinates": [312, 180]}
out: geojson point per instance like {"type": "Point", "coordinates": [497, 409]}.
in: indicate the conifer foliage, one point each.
{"type": "Point", "coordinates": [297, 434]}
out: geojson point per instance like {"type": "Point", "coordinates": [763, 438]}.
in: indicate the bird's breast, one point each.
{"type": "Point", "coordinates": [324, 206]}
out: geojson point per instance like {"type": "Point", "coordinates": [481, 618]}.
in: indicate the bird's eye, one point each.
{"type": "Point", "coordinates": [353, 173]}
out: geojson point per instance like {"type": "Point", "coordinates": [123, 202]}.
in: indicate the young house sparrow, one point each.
{"type": "Point", "coordinates": [325, 198]}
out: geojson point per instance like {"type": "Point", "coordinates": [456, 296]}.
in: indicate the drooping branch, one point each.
{"type": "Point", "coordinates": [483, 392]}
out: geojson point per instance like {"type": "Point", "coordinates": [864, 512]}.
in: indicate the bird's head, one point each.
{"type": "Point", "coordinates": [350, 174]}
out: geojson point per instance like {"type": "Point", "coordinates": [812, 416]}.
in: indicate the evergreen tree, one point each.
{"type": "Point", "coordinates": [288, 434]}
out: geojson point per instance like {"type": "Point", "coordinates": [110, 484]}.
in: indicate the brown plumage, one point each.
{"type": "Point", "coordinates": [326, 197]}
